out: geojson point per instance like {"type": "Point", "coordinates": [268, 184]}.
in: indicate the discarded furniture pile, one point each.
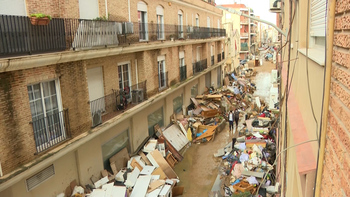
{"type": "Point", "coordinates": [248, 163]}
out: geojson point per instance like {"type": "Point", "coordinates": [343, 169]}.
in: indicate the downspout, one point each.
{"type": "Point", "coordinates": [129, 10]}
{"type": "Point", "coordinates": [106, 5]}
{"type": "Point", "coordinates": [328, 69]}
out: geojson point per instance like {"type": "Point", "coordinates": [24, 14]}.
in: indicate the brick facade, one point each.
{"type": "Point", "coordinates": [335, 176]}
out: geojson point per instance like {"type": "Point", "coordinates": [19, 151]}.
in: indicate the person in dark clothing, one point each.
{"type": "Point", "coordinates": [230, 119]}
{"type": "Point", "coordinates": [236, 115]}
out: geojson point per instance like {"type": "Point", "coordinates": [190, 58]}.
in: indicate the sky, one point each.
{"type": "Point", "coordinates": [260, 7]}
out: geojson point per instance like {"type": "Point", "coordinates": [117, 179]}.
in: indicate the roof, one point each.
{"type": "Point", "coordinates": [236, 5]}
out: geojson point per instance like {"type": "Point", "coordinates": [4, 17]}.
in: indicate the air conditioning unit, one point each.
{"type": "Point", "coordinates": [96, 118]}
{"type": "Point", "coordinates": [137, 96]}
{"type": "Point", "coordinates": [127, 28]}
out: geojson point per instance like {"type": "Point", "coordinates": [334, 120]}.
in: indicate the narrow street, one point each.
{"type": "Point", "coordinates": [199, 168]}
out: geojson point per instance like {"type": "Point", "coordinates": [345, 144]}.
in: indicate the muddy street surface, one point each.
{"type": "Point", "coordinates": [199, 168]}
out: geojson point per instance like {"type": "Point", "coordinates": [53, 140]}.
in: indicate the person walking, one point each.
{"type": "Point", "coordinates": [230, 119]}
{"type": "Point", "coordinates": [236, 115]}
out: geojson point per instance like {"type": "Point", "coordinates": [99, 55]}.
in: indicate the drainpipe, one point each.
{"type": "Point", "coordinates": [106, 5]}
{"type": "Point", "coordinates": [129, 10]}
{"type": "Point", "coordinates": [328, 63]}
{"type": "Point", "coordinates": [137, 77]}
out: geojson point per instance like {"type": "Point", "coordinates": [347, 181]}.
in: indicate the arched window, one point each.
{"type": "Point", "coordinates": [197, 20]}
{"type": "Point", "coordinates": [142, 18]}
{"type": "Point", "coordinates": [180, 25]}
{"type": "Point", "coordinates": [160, 22]}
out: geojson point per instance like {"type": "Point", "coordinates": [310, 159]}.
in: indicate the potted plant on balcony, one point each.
{"type": "Point", "coordinates": [40, 19]}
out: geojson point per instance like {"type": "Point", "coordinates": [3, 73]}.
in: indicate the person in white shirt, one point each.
{"type": "Point", "coordinates": [230, 119]}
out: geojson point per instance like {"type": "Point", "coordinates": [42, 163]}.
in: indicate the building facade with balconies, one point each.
{"type": "Point", "coordinates": [95, 80]}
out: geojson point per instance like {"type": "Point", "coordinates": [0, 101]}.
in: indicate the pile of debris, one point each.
{"type": "Point", "coordinates": [248, 162]}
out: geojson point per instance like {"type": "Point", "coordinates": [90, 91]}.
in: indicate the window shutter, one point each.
{"type": "Point", "coordinates": [318, 18]}
{"type": "Point", "coordinates": [13, 7]}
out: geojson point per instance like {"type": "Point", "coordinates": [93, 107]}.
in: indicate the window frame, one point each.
{"type": "Point", "coordinates": [160, 22]}
{"type": "Point", "coordinates": [161, 71]}
{"type": "Point", "coordinates": [142, 17]}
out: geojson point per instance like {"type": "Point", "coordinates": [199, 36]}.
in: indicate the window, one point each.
{"type": "Point", "coordinates": [194, 91]}
{"type": "Point", "coordinates": [153, 119]}
{"type": "Point", "coordinates": [183, 70]}
{"type": "Point", "coordinates": [123, 74]}
{"type": "Point", "coordinates": [218, 23]}
{"type": "Point", "coordinates": [318, 22]}
{"type": "Point", "coordinates": [113, 146]}
{"type": "Point", "coordinates": [208, 22]}
{"type": "Point", "coordinates": [142, 19]}
{"type": "Point", "coordinates": [177, 104]}
{"type": "Point", "coordinates": [161, 72]}
{"type": "Point", "coordinates": [197, 20]}
{"type": "Point", "coordinates": [47, 118]}
{"type": "Point", "coordinates": [182, 58]}
{"type": "Point", "coordinates": [180, 22]}
{"type": "Point", "coordinates": [88, 9]}
{"type": "Point", "coordinates": [160, 22]}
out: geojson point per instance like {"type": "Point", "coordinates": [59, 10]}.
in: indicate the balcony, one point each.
{"type": "Point", "coordinates": [183, 73]}
{"type": "Point", "coordinates": [111, 105]}
{"type": "Point", "coordinates": [212, 60]}
{"type": "Point", "coordinates": [19, 37]}
{"type": "Point", "coordinates": [199, 66]}
{"type": "Point", "coordinates": [163, 80]}
{"type": "Point", "coordinates": [51, 130]}
{"type": "Point", "coordinates": [219, 57]}
{"type": "Point", "coordinates": [244, 22]}
{"type": "Point", "coordinates": [244, 35]}
{"type": "Point", "coordinates": [244, 47]}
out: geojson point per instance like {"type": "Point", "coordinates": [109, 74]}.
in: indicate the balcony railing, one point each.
{"type": "Point", "coordinates": [219, 57]}
{"type": "Point", "coordinates": [111, 105]}
{"type": "Point", "coordinates": [19, 37]}
{"type": "Point", "coordinates": [183, 73]}
{"type": "Point", "coordinates": [244, 46]}
{"type": "Point", "coordinates": [163, 80]}
{"type": "Point", "coordinates": [244, 34]}
{"type": "Point", "coordinates": [212, 60]}
{"type": "Point", "coordinates": [199, 66]}
{"type": "Point", "coordinates": [223, 55]}
{"type": "Point", "coordinates": [51, 130]}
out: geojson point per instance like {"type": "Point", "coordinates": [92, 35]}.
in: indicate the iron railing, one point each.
{"type": "Point", "coordinates": [18, 36]}
{"type": "Point", "coordinates": [219, 57]}
{"type": "Point", "coordinates": [107, 107]}
{"type": "Point", "coordinates": [223, 55]}
{"type": "Point", "coordinates": [51, 130]}
{"type": "Point", "coordinates": [212, 60]}
{"type": "Point", "coordinates": [183, 73]}
{"type": "Point", "coordinates": [199, 66]}
{"type": "Point", "coordinates": [163, 80]}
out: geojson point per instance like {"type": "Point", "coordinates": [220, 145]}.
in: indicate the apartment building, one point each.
{"type": "Point", "coordinates": [231, 22]}
{"type": "Point", "coordinates": [248, 30]}
{"type": "Point", "coordinates": [315, 129]}
{"type": "Point", "coordinates": [64, 86]}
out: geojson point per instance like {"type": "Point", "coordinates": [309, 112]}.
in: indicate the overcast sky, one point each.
{"type": "Point", "coordinates": [260, 7]}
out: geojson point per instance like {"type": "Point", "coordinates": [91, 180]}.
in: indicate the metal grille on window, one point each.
{"type": "Point", "coordinates": [40, 177]}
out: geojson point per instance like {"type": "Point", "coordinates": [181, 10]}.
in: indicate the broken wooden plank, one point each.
{"type": "Point", "coordinates": [144, 158]}
{"type": "Point", "coordinates": [166, 191]}
{"type": "Point", "coordinates": [101, 182]}
{"type": "Point", "coordinates": [251, 173]}
{"type": "Point", "coordinates": [154, 193]}
{"type": "Point", "coordinates": [159, 172]}
{"type": "Point", "coordinates": [163, 164]}
{"type": "Point", "coordinates": [155, 185]}
{"type": "Point", "coordinates": [141, 186]}
{"type": "Point", "coordinates": [120, 159]}
{"type": "Point", "coordinates": [171, 160]}
{"type": "Point", "coordinates": [135, 164]}
{"type": "Point", "coordinates": [178, 190]}
{"type": "Point", "coordinates": [147, 170]}
{"type": "Point", "coordinates": [132, 178]}
{"type": "Point", "coordinates": [177, 139]}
